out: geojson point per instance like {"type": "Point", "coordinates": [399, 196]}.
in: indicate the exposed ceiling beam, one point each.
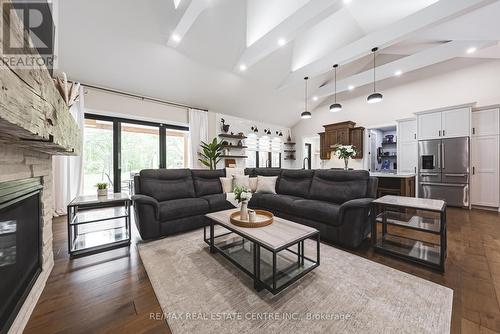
{"type": "Point", "coordinates": [310, 14]}
{"type": "Point", "coordinates": [195, 8]}
{"type": "Point", "coordinates": [437, 13]}
{"type": "Point", "coordinates": [410, 63]}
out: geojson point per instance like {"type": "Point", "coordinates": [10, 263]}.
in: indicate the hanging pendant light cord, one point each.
{"type": "Point", "coordinates": [374, 78]}
{"type": "Point", "coordinates": [305, 101]}
{"type": "Point", "coordinates": [335, 84]}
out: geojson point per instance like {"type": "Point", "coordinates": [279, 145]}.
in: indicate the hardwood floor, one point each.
{"type": "Point", "coordinates": [110, 292]}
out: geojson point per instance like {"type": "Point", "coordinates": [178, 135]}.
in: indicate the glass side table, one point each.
{"type": "Point", "coordinates": [412, 229]}
{"type": "Point", "coordinates": [98, 223]}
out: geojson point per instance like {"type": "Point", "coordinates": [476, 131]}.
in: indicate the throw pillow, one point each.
{"type": "Point", "coordinates": [227, 184]}
{"type": "Point", "coordinates": [242, 181]}
{"type": "Point", "coordinates": [234, 171]}
{"type": "Point", "coordinates": [253, 184]}
{"type": "Point", "coordinates": [266, 184]}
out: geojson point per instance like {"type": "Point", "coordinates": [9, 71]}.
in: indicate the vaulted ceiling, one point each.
{"type": "Point", "coordinates": [248, 57]}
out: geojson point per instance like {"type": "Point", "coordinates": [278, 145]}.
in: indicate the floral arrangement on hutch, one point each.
{"type": "Point", "coordinates": [345, 152]}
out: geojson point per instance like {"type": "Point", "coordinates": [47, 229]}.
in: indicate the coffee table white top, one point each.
{"type": "Point", "coordinates": [280, 233]}
{"type": "Point", "coordinates": [94, 199]}
{"type": "Point", "coordinates": [412, 202]}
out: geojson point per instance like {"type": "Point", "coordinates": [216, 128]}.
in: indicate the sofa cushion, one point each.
{"type": "Point", "coordinates": [167, 184]}
{"type": "Point", "coordinates": [266, 184]}
{"type": "Point", "coordinates": [339, 186]}
{"type": "Point", "coordinates": [295, 182]}
{"type": "Point", "coordinates": [324, 212]}
{"type": "Point", "coordinates": [218, 202]}
{"type": "Point", "coordinates": [275, 202]}
{"type": "Point", "coordinates": [185, 207]}
{"type": "Point", "coordinates": [207, 182]}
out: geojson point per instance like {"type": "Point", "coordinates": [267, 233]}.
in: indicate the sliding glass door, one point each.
{"type": "Point", "coordinates": [140, 149]}
{"type": "Point", "coordinates": [115, 149]}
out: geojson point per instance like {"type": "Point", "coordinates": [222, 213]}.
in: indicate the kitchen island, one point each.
{"type": "Point", "coordinates": [398, 184]}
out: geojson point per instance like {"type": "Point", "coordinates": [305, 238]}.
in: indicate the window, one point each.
{"type": "Point", "coordinates": [115, 149]}
{"type": "Point", "coordinates": [251, 143]}
{"type": "Point", "coordinates": [97, 154]}
{"type": "Point", "coordinates": [177, 149]}
{"type": "Point", "coordinates": [264, 159]}
{"type": "Point", "coordinates": [276, 147]}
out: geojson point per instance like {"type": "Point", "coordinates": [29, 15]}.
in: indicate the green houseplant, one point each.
{"type": "Point", "coordinates": [102, 189]}
{"type": "Point", "coordinates": [211, 153]}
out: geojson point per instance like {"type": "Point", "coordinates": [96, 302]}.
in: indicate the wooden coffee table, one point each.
{"type": "Point", "coordinates": [274, 256]}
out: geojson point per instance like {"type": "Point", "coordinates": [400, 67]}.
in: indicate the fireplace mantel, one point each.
{"type": "Point", "coordinates": [32, 112]}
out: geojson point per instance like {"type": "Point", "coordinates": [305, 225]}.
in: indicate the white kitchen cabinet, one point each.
{"type": "Point", "coordinates": [485, 188]}
{"type": "Point", "coordinates": [449, 123]}
{"type": "Point", "coordinates": [407, 130]}
{"type": "Point", "coordinates": [485, 122]}
{"type": "Point", "coordinates": [455, 123]}
{"type": "Point", "coordinates": [429, 126]}
{"type": "Point", "coordinates": [407, 157]}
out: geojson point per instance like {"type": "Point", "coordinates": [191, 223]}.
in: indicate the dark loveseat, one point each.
{"type": "Point", "coordinates": [334, 202]}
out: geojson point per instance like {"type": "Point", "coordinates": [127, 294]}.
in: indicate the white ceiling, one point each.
{"type": "Point", "coordinates": [128, 45]}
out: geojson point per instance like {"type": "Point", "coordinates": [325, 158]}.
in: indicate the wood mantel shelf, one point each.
{"type": "Point", "coordinates": [32, 112]}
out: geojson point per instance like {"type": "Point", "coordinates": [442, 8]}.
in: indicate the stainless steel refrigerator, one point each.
{"type": "Point", "coordinates": [443, 167]}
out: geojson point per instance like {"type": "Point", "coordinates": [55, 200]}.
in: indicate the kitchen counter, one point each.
{"type": "Point", "coordinates": [393, 175]}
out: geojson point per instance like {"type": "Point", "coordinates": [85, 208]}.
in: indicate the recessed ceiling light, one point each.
{"type": "Point", "coordinates": [351, 87]}
{"type": "Point", "coordinates": [243, 67]}
{"type": "Point", "coordinates": [471, 50]}
{"type": "Point", "coordinates": [347, 1]}
{"type": "Point", "coordinates": [398, 73]}
{"type": "Point", "coordinates": [281, 42]}
{"type": "Point", "coordinates": [315, 98]}
{"type": "Point", "coordinates": [176, 38]}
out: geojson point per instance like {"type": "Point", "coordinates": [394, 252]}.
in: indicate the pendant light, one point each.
{"type": "Point", "coordinates": [306, 114]}
{"type": "Point", "coordinates": [335, 106]}
{"type": "Point", "coordinates": [374, 97]}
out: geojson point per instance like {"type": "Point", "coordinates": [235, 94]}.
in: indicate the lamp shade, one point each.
{"type": "Point", "coordinates": [375, 98]}
{"type": "Point", "coordinates": [305, 115]}
{"type": "Point", "coordinates": [335, 107]}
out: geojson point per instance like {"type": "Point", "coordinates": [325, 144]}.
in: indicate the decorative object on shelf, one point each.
{"type": "Point", "coordinates": [289, 138]}
{"type": "Point", "coordinates": [211, 154]}
{"type": "Point", "coordinates": [241, 134]}
{"type": "Point", "coordinates": [232, 133]}
{"type": "Point", "coordinates": [225, 143]}
{"type": "Point", "coordinates": [231, 163]}
{"type": "Point", "coordinates": [255, 129]}
{"type": "Point", "coordinates": [68, 91]}
{"type": "Point", "coordinates": [102, 189]}
{"type": "Point", "coordinates": [243, 195]}
{"type": "Point", "coordinates": [224, 127]}
{"type": "Point", "coordinates": [345, 152]}
{"type": "Point", "coordinates": [389, 139]}
{"type": "Point", "coordinates": [240, 143]}
{"type": "Point", "coordinates": [306, 114]}
{"type": "Point", "coordinates": [374, 97]}
{"type": "Point", "coordinates": [335, 106]}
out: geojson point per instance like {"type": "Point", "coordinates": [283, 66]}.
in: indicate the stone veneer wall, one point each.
{"type": "Point", "coordinates": [15, 164]}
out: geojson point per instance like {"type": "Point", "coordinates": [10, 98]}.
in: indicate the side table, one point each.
{"type": "Point", "coordinates": [98, 223]}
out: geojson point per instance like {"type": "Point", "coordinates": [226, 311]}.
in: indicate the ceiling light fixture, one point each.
{"type": "Point", "coordinates": [315, 98]}
{"type": "Point", "coordinates": [347, 1]}
{"type": "Point", "coordinates": [243, 67]}
{"type": "Point", "coordinates": [176, 3]}
{"type": "Point", "coordinates": [471, 50]}
{"type": "Point", "coordinates": [176, 38]}
{"type": "Point", "coordinates": [281, 42]}
{"type": "Point", "coordinates": [306, 114]}
{"type": "Point", "coordinates": [398, 73]}
{"type": "Point", "coordinates": [375, 97]}
{"type": "Point", "coordinates": [335, 106]}
{"type": "Point", "coordinates": [351, 87]}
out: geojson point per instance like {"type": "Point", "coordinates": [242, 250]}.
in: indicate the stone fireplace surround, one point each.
{"type": "Point", "coordinates": [21, 163]}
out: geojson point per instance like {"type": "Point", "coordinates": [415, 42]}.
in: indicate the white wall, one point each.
{"type": "Point", "coordinates": [479, 83]}
{"type": "Point", "coordinates": [238, 124]}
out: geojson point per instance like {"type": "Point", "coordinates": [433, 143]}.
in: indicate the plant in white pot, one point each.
{"type": "Point", "coordinates": [102, 189]}
{"type": "Point", "coordinates": [345, 152]}
{"type": "Point", "coordinates": [243, 195]}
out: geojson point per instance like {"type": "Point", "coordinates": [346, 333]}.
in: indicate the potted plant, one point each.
{"type": "Point", "coordinates": [243, 195]}
{"type": "Point", "coordinates": [102, 189]}
{"type": "Point", "coordinates": [211, 153]}
{"type": "Point", "coordinates": [345, 152]}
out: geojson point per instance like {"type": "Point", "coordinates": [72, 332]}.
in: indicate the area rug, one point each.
{"type": "Point", "coordinates": [201, 292]}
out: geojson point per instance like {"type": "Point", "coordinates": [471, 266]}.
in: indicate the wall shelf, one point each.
{"type": "Point", "coordinates": [234, 146]}
{"type": "Point", "coordinates": [225, 135]}
{"type": "Point", "coordinates": [234, 156]}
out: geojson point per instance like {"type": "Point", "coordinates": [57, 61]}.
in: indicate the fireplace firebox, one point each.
{"type": "Point", "coordinates": [20, 245]}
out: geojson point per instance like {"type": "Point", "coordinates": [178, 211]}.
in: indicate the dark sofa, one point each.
{"type": "Point", "coordinates": [334, 202]}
